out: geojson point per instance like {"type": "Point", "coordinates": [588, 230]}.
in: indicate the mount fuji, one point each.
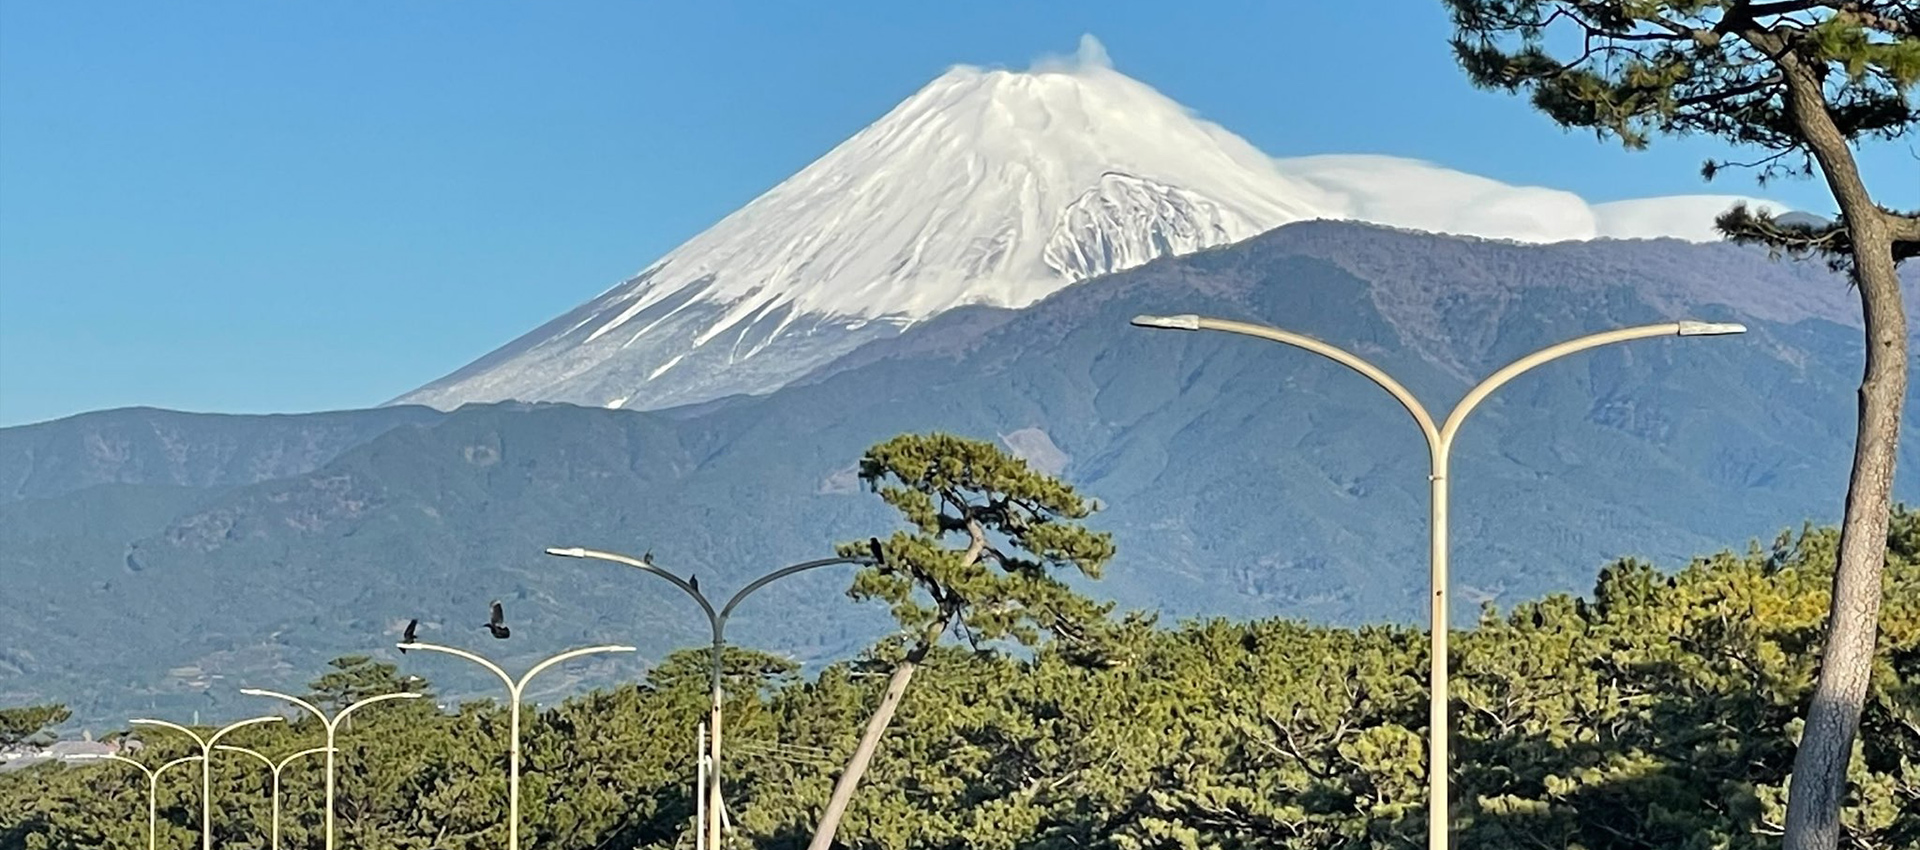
{"type": "Point", "coordinates": [986, 187]}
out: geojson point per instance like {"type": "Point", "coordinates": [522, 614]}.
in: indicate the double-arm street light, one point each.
{"type": "Point", "coordinates": [275, 768]}
{"type": "Point", "coordinates": [153, 782]}
{"type": "Point", "coordinates": [1440, 446]}
{"type": "Point", "coordinates": [206, 763]}
{"type": "Point", "coordinates": [515, 687]}
{"type": "Point", "coordinates": [717, 621]}
{"type": "Point", "coordinates": [331, 725]}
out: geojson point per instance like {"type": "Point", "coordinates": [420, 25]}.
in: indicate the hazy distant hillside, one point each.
{"type": "Point", "coordinates": [1241, 477]}
{"type": "Point", "coordinates": [143, 445]}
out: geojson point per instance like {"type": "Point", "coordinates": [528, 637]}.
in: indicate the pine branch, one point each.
{"type": "Point", "coordinates": [1833, 241]}
{"type": "Point", "coordinates": [1756, 86]}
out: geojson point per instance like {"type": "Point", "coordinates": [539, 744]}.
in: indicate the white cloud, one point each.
{"type": "Point", "coordinates": [1411, 193]}
{"type": "Point", "coordinates": [1090, 55]}
{"type": "Point", "coordinates": [1420, 195]}
{"type": "Point", "coordinates": [1687, 217]}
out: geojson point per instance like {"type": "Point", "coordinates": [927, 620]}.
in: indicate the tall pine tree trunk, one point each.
{"type": "Point", "coordinates": [877, 724]}
{"type": "Point", "coordinates": [1818, 786]}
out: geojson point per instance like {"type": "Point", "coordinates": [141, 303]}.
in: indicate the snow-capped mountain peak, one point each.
{"type": "Point", "coordinates": [955, 196]}
{"type": "Point", "coordinates": [987, 187]}
{"type": "Point", "coordinates": [984, 187]}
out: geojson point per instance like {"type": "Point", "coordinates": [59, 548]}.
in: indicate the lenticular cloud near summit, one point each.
{"type": "Point", "coordinates": [987, 187]}
{"type": "Point", "coordinates": [1419, 195]}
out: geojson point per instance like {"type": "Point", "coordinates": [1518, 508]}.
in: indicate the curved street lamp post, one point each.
{"type": "Point", "coordinates": [515, 687]}
{"type": "Point", "coordinates": [1440, 447]}
{"type": "Point", "coordinates": [331, 725]}
{"type": "Point", "coordinates": [717, 621]}
{"type": "Point", "coordinates": [206, 763]}
{"type": "Point", "coordinates": [153, 782]}
{"type": "Point", "coordinates": [275, 768]}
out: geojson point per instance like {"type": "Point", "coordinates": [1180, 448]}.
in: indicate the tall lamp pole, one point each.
{"type": "Point", "coordinates": [717, 621]}
{"type": "Point", "coordinates": [515, 687]}
{"type": "Point", "coordinates": [1440, 446]}
{"type": "Point", "coordinates": [331, 725]}
{"type": "Point", "coordinates": [153, 782]}
{"type": "Point", "coordinates": [275, 768]}
{"type": "Point", "coordinates": [206, 763]}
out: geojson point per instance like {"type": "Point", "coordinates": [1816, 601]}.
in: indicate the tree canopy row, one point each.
{"type": "Point", "coordinates": [1662, 710]}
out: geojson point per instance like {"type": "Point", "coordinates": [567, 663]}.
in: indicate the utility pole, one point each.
{"type": "Point", "coordinates": [207, 745]}
{"type": "Point", "coordinates": [716, 812]}
{"type": "Point", "coordinates": [516, 689]}
{"type": "Point", "coordinates": [332, 727]}
{"type": "Point", "coordinates": [700, 788]}
{"type": "Point", "coordinates": [153, 782]}
{"type": "Point", "coordinates": [1439, 436]}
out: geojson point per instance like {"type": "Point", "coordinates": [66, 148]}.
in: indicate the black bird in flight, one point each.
{"type": "Point", "coordinates": [407, 636]}
{"type": "Point", "coordinates": [879, 555]}
{"type": "Point", "coordinates": [693, 581]}
{"type": "Point", "coordinates": [497, 623]}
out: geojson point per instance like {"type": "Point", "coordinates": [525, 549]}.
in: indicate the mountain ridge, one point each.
{"type": "Point", "coordinates": [145, 445]}
{"type": "Point", "coordinates": [1241, 478]}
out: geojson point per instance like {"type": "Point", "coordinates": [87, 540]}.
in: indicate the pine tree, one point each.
{"type": "Point", "coordinates": [987, 532]}
{"type": "Point", "coordinates": [1802, 81]}
{"type": "Point", "coordinates": [19, 724]}
{"type": "Point", "coordinates": [356, 677]}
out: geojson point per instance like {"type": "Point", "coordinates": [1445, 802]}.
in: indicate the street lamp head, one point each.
{"type": "Point", "coordinates": [1182, 322]}
{"type": "Point", "coordinates": [569, 552]}
{"type": "Point", "coordinates": [1693, 328]}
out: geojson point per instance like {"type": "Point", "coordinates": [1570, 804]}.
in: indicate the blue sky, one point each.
{"type": "Point", "coordinates": [255, 207]}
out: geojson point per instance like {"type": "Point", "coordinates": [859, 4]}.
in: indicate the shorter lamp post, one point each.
{"type": "Point", "coordinates": [206, 763]}
{"type": "Point", "coordinates": [275, 768]}
{"type": "Point", "coordinates": [331, 725]}
{"type": "Point", "coordinates": [515, 687]}
{"type": "Point", "coordinates": [153, 783]}
{"type": "Point", "coordinates": [717, 621]}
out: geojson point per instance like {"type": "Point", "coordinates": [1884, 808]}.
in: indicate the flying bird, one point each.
{"type": "Point", "coordinates": [407, 636]}
{"type": "Point", "coordinates": [497, 622]}
{"type": "Point", "coordinates": [879, 555]}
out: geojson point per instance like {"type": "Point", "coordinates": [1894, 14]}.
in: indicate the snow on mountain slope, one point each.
{"type": "Point", "coordinates": [985, 187]}
{"type": "Point", "coordinates": [955, 196]}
